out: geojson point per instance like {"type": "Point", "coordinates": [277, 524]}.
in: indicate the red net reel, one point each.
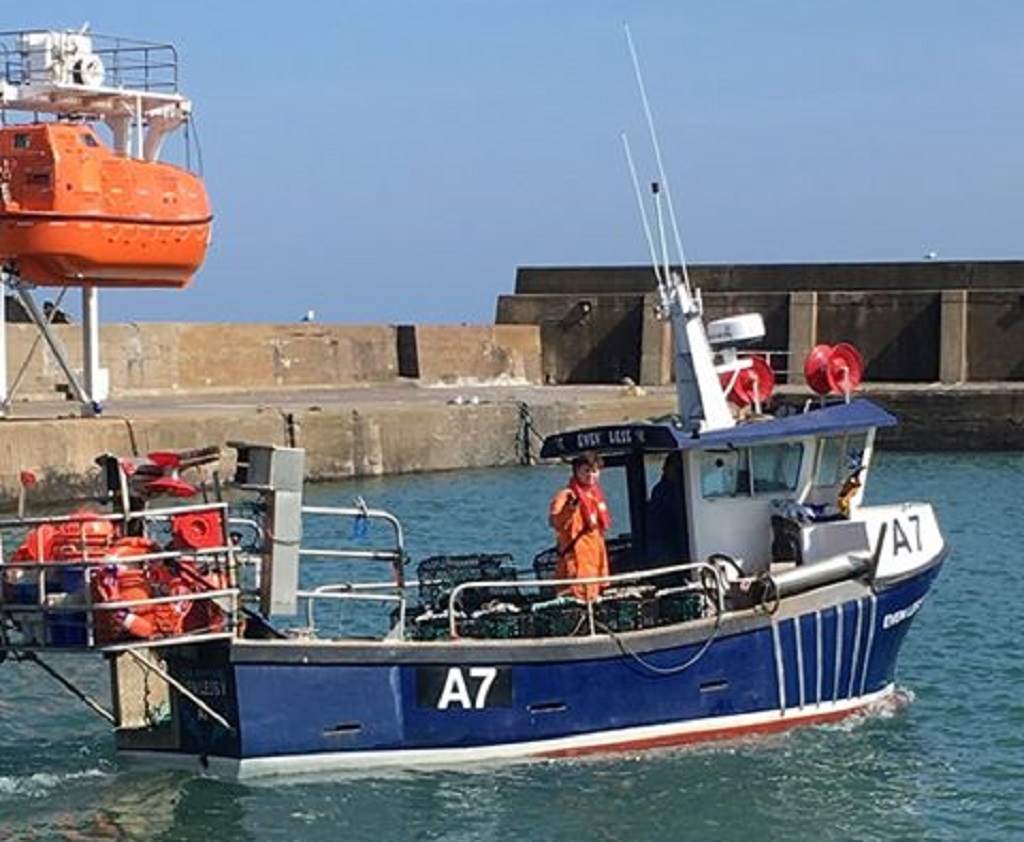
{"type": "Point", "coordinates": [752, 384]}
{"type": "Point", "coordinates": [834, 369]}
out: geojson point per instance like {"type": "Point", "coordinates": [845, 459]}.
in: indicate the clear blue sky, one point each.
{"type": "Point", "coordinates": [392, 162]}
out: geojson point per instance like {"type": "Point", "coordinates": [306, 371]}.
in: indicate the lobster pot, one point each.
{"type": "Point", "coordinates": [630, 613]}
{"type": "Point", "coordinates": [499, 623]}
{"type": "Point", "coordinates": [560, 618]}
{"type": "Point", "coordinates": [430, 625]}
{"type": "Point", "coordinates": [679, 607]}
{"type": "Point", "coordinates": [439, 575]}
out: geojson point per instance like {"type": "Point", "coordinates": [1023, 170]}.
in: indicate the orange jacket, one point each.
{"type": "Point", "coordinates": [581, 549]}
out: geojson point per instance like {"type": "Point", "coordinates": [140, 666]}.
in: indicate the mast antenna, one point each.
{"type": "Point", "coordinates": [700, 400]}
{"type": "Point", "coordinates": [662, 177]}
{"type": "Point", "coordinates": [643, 213]}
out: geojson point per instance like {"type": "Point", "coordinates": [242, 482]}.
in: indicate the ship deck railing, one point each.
{"type": "Point", "coordinates": [519, 607]}
{"type": "Point", "coordinates": [700, 580]}
{"type": "Point", "coordinates": [57, 604]}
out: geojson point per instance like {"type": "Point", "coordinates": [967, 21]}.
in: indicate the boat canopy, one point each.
{"type": "Point", "coordinates": [667, 435]}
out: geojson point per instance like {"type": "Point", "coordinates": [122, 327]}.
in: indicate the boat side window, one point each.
{"type": "Point", "coordinates": [838, 456]}
{"type": "Point", "coordinates": [720, 472]}
{"type": "Point", "coordinates": [766, 469]}
{"type": "Point", "coordinates": [88, 139]}
{"type": "Point", "coordinates": [775, 467]}
{"type": "Point", "coordinates": [856, 444]}
{"type": "Point", "coordinates": [21, 140]}
{"type": "Point", "coordinates": [829, 470]}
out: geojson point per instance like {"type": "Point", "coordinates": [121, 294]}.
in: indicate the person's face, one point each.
{"type": "Point", "coordinates": [587, 474]}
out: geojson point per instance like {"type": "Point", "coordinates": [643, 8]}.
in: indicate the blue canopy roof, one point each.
{"type": "Point", "coordinates": [661, 436]}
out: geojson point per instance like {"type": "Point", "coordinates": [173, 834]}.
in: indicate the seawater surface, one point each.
{"type": "Point", "coordinates": [947, 763]}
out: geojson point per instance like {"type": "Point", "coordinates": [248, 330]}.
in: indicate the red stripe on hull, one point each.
{"type": "Point", "coordinates": [708, 735]}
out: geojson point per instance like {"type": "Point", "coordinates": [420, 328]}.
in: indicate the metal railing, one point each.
{"type": "Point", "coordinates": [114, 590]}
{"type": "Point", "coordinates": [698, 572]}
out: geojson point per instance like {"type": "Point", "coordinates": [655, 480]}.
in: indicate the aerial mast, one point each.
{"type": "Point", "coordinates": [700, 399]}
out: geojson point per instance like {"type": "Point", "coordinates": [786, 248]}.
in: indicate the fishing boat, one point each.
{"type": "Point", "coordinates": [248, 633]}
{"type": "Point", "coordinates": [236, 645]}
{"type": "Point", "coordinates": [75, 211]}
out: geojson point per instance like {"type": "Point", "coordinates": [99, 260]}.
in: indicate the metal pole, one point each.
{"type": "Point", "coordinates": [91, 350]}
{"type": "Point", "coordinates": [3, 349]}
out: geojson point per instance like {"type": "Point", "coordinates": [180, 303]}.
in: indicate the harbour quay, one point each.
{"type": "Point", "coordinates": [943, 348]}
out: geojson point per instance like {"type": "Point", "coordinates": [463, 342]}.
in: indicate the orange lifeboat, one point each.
{"type": "Point", "coordinates": [72, 212]}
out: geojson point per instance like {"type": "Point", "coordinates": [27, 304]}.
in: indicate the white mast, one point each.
{"type": "Point", "coordinates": [699, 397]}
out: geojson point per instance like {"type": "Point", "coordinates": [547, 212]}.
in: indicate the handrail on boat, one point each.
{"type": "Point", "coordinates": [338, 546]}
{"type": "Point", "coordinates": [83, 602]}
{"type": "Point", "coordinates": [347, 591]}
{"type": "Point", "coordinates": [362, 513]}
{"type": "Point", "coordinates": [635, 577]}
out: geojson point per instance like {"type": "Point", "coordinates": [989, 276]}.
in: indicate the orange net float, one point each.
{"type": "Point", "coordinates": [38, 544]}
{"type": "Point", "coordinates": [194, 612]}
{"type": "Point", "coordinates": [20, 584]}
{"type": "Point", "coordinates": [85, 535]}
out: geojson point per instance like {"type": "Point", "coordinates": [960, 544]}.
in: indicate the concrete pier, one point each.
{"type": "Point", "coordinates": [406, 427]}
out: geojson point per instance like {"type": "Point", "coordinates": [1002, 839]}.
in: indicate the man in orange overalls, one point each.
{"type": "Point", "coordinates": [580, 517]}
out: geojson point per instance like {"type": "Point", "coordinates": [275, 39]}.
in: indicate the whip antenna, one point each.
{"type": "Point", "coordinates": [657, 159]}
{"type": "Point", "coordinates": [700, 401]}
{"type": "Point", "coordinates": [643, 211]}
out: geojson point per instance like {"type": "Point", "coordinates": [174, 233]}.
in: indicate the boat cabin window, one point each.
{"type": "Point", "coordinates": [88, 139]}
{"type": "Point", "coordinates": [748, 471]}
{"type": "Point", "coordinates": [21, 140]}
{"type": "Point", "coordinates": [837, 457]}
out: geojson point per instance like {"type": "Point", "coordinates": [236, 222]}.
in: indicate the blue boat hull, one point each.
{"type": "Point", "coordinates": [311, 706]}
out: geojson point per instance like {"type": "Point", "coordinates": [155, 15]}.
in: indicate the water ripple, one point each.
{"type": "Point", "coordinates": [944, 761]}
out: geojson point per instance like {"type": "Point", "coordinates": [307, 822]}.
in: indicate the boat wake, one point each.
{"type": "Point", "coordinates": [884, 708]}
{"type": "Point", "coordinates": [43, 784]}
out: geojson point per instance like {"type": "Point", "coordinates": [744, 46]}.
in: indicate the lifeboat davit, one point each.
{"type": "Point", "coordinates": [73, 212]}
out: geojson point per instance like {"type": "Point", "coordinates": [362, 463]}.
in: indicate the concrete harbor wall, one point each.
{"type": "Point", "coordinates": [347, 433]}
{"type": "Point", "coordinates": [921, 322]}
{"type": "Point", "coordinates": [944, 345]}
{"type": "Point", "coordinates": [175, 358]}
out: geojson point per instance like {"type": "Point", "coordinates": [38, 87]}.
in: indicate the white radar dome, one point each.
{"type": "Point", "coordinates": [736, 330]}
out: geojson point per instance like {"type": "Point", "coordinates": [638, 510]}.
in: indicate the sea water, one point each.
{"type": "Point", "coordinates": [946, 763]}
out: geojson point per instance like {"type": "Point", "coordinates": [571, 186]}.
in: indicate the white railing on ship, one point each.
{"type": "Point", "coordinates": [701, 569]}
{"type": "Point", "coordinates": [361, 592]}
{"type": "Point", "coordinates": [226, 599]}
